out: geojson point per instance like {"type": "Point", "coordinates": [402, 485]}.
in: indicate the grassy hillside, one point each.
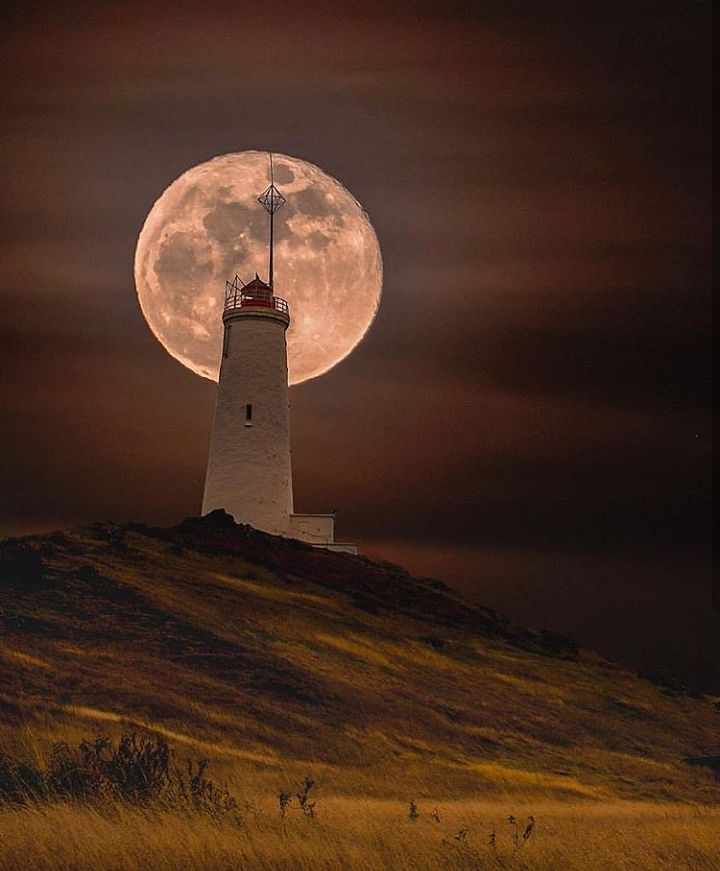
{"type": "Point", "coordinates": [277, 661]}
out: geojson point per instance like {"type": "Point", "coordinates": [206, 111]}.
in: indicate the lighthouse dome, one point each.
{"type": "Point", "coordinates": [257, 284]}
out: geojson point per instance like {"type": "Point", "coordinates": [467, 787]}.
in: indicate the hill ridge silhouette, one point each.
{"type": "Point", "coordinates": [249, 646]}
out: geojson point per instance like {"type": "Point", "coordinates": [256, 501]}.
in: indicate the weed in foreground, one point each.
{"type": "Point", "coordinates": [515, 830]}
{"type": "Point", "coordinates": [284, 800]}
{"type": "Point", "coordinates": [529, 829]}
{"type": "Point", "coordinates": [304, 803]}
{"type": "Point", "coordinates": [518, 838]}
{"type": "Point", "coordinates": [461, 844]}
{"type": "Point", "coordinates": [461, 835]}
{"type": "Point", "coordinates": [303, 797]}
{"type": "Point", "coordinates": [200, 793]}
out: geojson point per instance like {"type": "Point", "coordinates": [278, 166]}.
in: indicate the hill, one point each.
{"type": "Point", "coordinates": [277, 660]}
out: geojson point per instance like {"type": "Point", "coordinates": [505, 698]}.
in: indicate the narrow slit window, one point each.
{"type": "Point", "coordinates": [248, 414]}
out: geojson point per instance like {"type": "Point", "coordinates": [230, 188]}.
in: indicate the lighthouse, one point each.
{"type": "Point", "coordinates": [249, 471]}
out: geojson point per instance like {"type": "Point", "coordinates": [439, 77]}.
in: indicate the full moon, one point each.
{"type": "Point", "coordinates": [208, 226]}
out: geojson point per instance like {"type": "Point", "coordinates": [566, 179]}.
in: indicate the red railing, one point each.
{"type": "Point", "coordinates": [238, 299]}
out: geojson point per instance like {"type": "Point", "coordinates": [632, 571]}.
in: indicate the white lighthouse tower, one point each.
{"type": "Point", "coordinates": [249, 472]}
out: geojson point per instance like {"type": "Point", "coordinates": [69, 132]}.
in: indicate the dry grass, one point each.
{"type": "Point", "coordinates": [251, 649]}
{"type": "Point", "coordinates": [278, 662]}
{"type": "Point", "coordinates": [364, 834]}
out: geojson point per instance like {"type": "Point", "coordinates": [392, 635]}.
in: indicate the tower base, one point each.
{"type": "Point", "coordinates": [318, 530]}
{"type": "Point", "coordinates": [340, 547]}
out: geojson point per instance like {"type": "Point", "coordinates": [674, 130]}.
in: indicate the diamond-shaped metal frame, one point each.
{"type": "Point", "coordinates": [272, 200]}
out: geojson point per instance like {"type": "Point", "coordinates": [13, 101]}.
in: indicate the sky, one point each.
{"type": "Point", "coordinates": [529, 416]}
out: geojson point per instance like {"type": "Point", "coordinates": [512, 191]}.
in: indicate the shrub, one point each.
{"type": "Point", "coordinates": [20, 782]}
{"type": "Point", "coordinates": [201, 794]}
{"type": "Point", "coordinates": [137, 770]}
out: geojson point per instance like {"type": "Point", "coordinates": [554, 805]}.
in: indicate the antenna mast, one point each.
{"type": "Point", "coordinates": [272, 200]}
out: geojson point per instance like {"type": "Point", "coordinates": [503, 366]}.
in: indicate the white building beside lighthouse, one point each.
{"type": "Point", "coordinates": [249, 472]}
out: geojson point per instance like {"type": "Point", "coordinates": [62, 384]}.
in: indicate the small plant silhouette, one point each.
{"type": "Point", "coordinates": [515, 830]}
{"type": "Point", "coordinates": [529, 829]}
{"type": "Point", "coordinates": [435, 815]}
{"type": "Point", "coordinates": [519, 840]}
{"type": "Point", "coordinates": [202, 794]}
{"type": "Point", "coordinates": [462, 845]}
{"type": "Point", "coordinates": [285, 800]}
{"type": "Point", "coordinates": [303, 797]}
{"type": "Point", "coordinates": [413, 812]}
